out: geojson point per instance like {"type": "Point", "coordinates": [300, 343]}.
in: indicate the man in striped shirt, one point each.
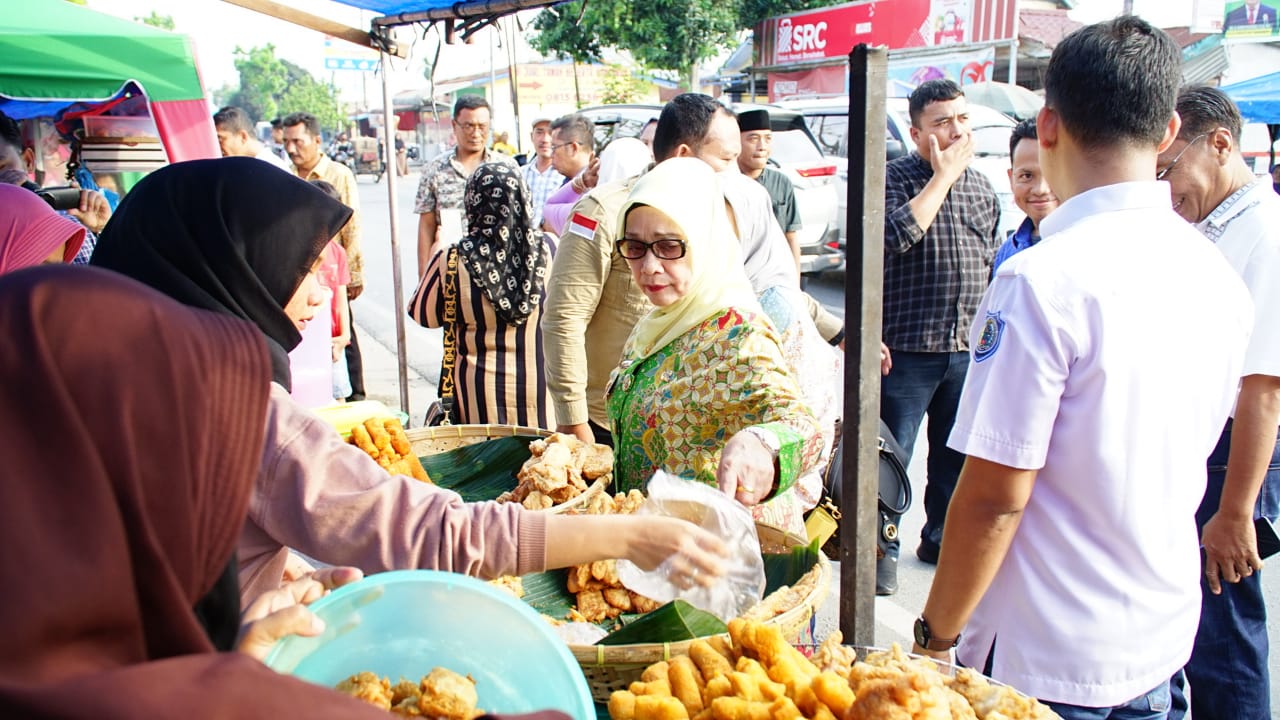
{"type": "Point", "coordinates": [941, 231]}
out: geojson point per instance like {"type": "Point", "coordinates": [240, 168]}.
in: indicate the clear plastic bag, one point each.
{"type": "Point", "coordinates": [742, 585]}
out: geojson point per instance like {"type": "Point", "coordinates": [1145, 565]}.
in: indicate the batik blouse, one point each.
{"type": "Point", "coordinates": [676, 409]}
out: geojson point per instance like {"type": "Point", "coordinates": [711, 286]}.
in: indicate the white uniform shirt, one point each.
{"type": "Point", "coordinates": [766, 255]}
{"type": "Point", "coordinates": [1246, 228]}
{"type": "Point", "coordinates": [1107, 357]}
{"type": "Point", "coordinates": [265, 155]}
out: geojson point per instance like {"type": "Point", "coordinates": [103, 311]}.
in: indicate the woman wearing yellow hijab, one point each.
{"type": "Point", "coordinates": [703, 390]}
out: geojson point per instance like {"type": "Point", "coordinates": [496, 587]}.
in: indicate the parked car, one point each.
{"type": "Point", "coordinates": [828, 118]}
{"type": "Point", "coordinates": [795, 152]}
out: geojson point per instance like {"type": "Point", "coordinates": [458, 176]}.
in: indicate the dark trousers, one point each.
{"type": "Point", "coordinates": [919, 384]}
{"type": "Point", "coordinates": [355, 368]}
{"type": "Point", "coordinates": [602, 435]}
{"type": "Point", "coordinates": [1227, 672]}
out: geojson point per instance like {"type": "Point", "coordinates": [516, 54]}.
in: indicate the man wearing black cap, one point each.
{"type": "Point", "coordinates": [757, 144]}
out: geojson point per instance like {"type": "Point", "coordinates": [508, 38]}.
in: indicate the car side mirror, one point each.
{"type": "Point", "coordinates": [894, 149]}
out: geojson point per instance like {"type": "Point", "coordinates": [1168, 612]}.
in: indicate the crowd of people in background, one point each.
{"type": "Point", "coordinates": [1101, 386]}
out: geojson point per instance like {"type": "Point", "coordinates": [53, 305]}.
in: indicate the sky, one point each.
{"type": "Point", "coordinates": [218, 27]}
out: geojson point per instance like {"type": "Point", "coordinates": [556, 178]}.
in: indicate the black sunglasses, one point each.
{"type": "Point", "coordinates": [662, 249]}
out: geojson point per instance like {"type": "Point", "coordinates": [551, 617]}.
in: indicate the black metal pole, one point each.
{"type": "Point", "coordinates": [864, 279]}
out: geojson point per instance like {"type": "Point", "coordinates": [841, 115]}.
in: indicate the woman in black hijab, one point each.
{"type": "Point", "coordinates": [499, 273]}
{"type": "Point", "coordinates": [234, 235]}
{"type": "Point", "coordinates": [238, 236]}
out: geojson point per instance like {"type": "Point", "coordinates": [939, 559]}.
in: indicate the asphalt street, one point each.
{"type": "Point", "coordinates": [375, 321]}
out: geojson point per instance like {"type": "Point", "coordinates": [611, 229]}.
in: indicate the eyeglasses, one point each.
{"type": "Point", "coordinates": [1161, 175]}
{"type": "Point", "coordinates": [661, 249]}
{"type": "Point", "coordinates": [472, 128]}
{"type": "Point", "coordinates": [557, 147]}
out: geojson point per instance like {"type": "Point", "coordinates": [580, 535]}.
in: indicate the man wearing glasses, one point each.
{"type": "Point", "coordinates": [1214, 189]}
{"type": "Point", "coordinates": [444, 179]}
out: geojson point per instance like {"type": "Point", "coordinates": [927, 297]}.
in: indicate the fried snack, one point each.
{"type": "Point", "coordinates": [405, 690]}
{"type": "Point", "coordinates": [996, 701]}
{"type": "Point", "coordinates": [656, 671]}
{"type": "Point", "coordinates": [686, 683]}
{"type": "Point", "coordinates": [659, 707]}
{"type": "Point", "coordinates": [833, 691]}
{"type": "Point", "coordinates": [834, 656]}
{"type": "Point", "coordinates": [558, 470]}
{"type": "Point", "coordinates": [784, 598]}
{"type": "Point", "coordinates": [732, 708]}
{"type": "Point", "coordinates": [384, 440]}
{"type": "Point", "coordinates": [622, 705]}
{"type": "Point", "coordinates": [756, 675]}
{"type": "Point", "coordinates": [407, 707]}
{"type": "Point", "coordinates": [513, 584]}
{"type": "Point", "coordinates": [642, 604]}
{"type": "Point", "coordinates": [710, 663]}
{"type": "Point", "coordinates": [367, 687]}
{"type": "Point", "coordinates": [447, 694]}
{"type": "Point", "coordinates": [784, 709]}
{"type": "Point", "coordinates": [719, 686]}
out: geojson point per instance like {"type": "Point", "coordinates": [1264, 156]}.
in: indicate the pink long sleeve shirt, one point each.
{"type": "Point", "coordinates": [330, 501]}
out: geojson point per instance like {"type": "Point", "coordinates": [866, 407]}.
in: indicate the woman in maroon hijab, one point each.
{"type": "Point", "coordinates": [129, 465]}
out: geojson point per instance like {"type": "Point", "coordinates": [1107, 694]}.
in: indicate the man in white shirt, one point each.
{"type": "Point", "coordinates": [539, 173]}
{"type": "Point", "coordinates": [237, 137]}
{"type": "Point", "coordinates": [1214, 189]}
{"type": "Point", "coordinates": [1069, 560]}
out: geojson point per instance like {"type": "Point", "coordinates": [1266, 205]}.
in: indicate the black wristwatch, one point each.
{"type": "Point", "coordinates": [926, 640]}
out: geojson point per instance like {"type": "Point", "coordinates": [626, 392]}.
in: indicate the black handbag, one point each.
{"type": "Point", "coordinates": [442, 411]}
{"type": "Point", "coordinates": [893, 494]}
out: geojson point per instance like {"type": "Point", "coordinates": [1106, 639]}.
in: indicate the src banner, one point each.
{"type": "Point", "coordinates": [897, 24]}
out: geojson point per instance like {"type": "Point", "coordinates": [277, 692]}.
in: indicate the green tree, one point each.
{"type": "Point", "coordinates": [273, 87]}
{"type": "Point", "coordinates": [621, 86]}
{"type": "Point", "coordinates": [155, 19]}
{"type": "Point", "coordinates": [263, 77]}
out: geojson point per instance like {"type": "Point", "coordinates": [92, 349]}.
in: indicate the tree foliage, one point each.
{"type": "Point", "coordinates": [155, 19]}
{"type": "Point", "coordinates": [673, 35]}
{"type": "Point", "coordinates": [621, 86]}
{"type": "Point", "coordinates": [273, 87]}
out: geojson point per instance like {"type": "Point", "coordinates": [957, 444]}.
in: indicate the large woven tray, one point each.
{"type": "Point", "coordinates": [443, 438]}
{"type": "Point", "coordinates": [614, 667]}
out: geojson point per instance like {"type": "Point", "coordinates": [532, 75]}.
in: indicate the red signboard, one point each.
{"type": "Point", "coordinates": [897, 24]}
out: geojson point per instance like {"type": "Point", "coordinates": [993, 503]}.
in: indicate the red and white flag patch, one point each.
{"type": "Point", "coordinates": [583, 226]}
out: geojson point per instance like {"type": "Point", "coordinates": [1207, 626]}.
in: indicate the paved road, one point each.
{"type": "Point", "coordinates": [375, 318]}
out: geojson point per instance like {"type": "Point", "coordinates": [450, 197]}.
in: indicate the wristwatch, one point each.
{"type": "Point", "coordinates": [926, 640]}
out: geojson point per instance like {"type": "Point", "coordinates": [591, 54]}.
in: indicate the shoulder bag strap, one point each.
{"type": "Point", "coordinates": [446, 387]}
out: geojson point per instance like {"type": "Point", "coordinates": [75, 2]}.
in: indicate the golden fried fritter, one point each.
{"type": "Point", "coordinates": [368, 687]}
{"type": "Point", "coordinates": [447, 694]}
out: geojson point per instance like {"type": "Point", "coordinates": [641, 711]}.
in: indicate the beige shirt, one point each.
{"type": "Point", "coordinates": [340, 177]}
{"type": "Point", "coordinates": [591, 307]}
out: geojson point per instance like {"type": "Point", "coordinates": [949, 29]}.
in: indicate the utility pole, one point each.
{"type": "Point", "coordinates": [1128, 7]}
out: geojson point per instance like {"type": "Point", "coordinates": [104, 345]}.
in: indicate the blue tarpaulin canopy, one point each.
{"type": "Point", "coordinates": [1258, 98]}
{"type": "Point", "coordinates": [399, 12]}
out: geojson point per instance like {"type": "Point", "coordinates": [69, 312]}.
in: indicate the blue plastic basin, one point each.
{"type": "Point", "coordinates": [406, 622]}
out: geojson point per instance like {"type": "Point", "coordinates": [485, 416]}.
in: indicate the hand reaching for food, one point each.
{"type": "Point", "coordinates": [276, 614]}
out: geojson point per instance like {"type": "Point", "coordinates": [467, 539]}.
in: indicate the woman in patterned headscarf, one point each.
{"type": "Point", "coordinates": [499, 272]}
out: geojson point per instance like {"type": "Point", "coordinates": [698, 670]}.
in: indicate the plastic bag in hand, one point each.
{"type": "Point", "coordinates": [742, 585]}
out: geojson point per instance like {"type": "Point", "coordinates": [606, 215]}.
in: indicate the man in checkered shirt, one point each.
{"type": "Point", "coordinates": [940, 234]}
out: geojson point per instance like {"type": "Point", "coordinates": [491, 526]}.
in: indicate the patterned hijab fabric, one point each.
{"type": "Point", "coordinates": [503, 252]}
{"type": "Point", "coordinates": [688, 191]}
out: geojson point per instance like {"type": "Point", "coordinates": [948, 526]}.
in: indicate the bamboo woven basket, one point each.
{"type": "Point", "coordinates": [442, 438]}
{"type": "Point", "coordinates": [614, 667]}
